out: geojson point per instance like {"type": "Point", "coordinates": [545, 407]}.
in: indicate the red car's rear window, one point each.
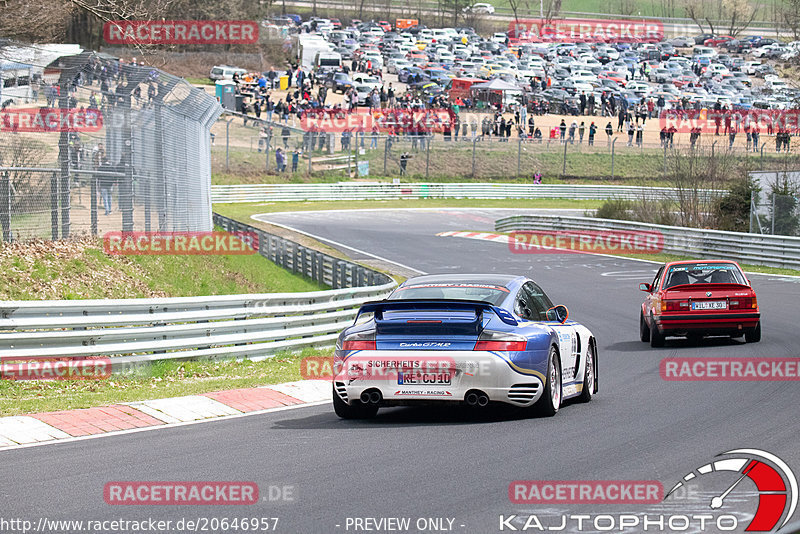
{"type": "Point", "coordinates": [703, 273]}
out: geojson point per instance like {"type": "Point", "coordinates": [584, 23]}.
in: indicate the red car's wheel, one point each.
{"type": "Point", "coordinates": [644, 330]}
{"type": "Point", "coordinates": [656, 336]}
{"type": "Point", "coordinates": [753, 335]}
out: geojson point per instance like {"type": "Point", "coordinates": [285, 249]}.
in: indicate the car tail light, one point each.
{"type": "Point", "coordinates": [674, 305]}
{"type": "Point", "coordinates": [364, 340]}
{"type": "Point", "coordinates": [742, 303]}
{"type": "Point", "coordinates": [503, 341]}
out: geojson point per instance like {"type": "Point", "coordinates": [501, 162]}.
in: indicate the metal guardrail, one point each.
{"type": "Point", "coordinates": [139, 331]}
{"type": "Point", "coordinates": [754, 249]}
{"type": "Point", "coordinates": [392, 191]}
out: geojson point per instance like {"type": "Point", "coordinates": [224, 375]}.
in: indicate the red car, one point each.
{"type": "Point", "coordinates": [719, 40]}
{"type": "Point", "coordinates": [385, 25]}
{"type": "Point", "coordinates": [697, 298]}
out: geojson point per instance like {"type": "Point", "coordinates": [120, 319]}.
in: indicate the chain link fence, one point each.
{"type": "Point", "coordinates": [775, 208]}
{"type": "Point", "coordinates": [246, 146]}
{"type": "Point", "coordinates": [102, 146]}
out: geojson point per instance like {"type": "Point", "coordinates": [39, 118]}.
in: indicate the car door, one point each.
{"type": "Point", "coordinates": [539, 303]}
{"type": "Point", "coordinates": [652, 296]}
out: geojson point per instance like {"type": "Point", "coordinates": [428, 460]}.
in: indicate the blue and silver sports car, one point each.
{"type": "Point", "coordinates": [466, 339]}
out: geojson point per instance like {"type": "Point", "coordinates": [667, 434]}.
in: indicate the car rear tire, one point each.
{"type": "Point", "coordinates": [550, 402]}
{"type": "Point", "coordinates": [644, 330]}
{"type": "Point", "coordinates": [357, 410]}
{"type": "Point", "coordinates": [753, 335]}
{"type": "Point", "coordinates": [588, 375]}
{"type": "Point", "coordinates": [656, 336]}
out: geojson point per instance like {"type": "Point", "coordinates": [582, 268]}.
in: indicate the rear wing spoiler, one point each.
{"type": "Point", "coordinates": [379, 306]}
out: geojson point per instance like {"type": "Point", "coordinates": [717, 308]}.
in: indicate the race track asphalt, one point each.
{"type": "Point", "coordinates": [437, 463]}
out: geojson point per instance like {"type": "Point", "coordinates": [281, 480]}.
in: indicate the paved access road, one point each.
{"type": "Point", "coordinates": [430, 463]}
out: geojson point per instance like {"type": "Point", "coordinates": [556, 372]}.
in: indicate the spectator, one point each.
{"type": "Point", "coordinates": [106, 184]}
{"type": "Point", "coordinates": [295, 159]}
{"type": "Point", "coordinates": [581, 129]}
{"type": "Point", "coordinates": [285, 133]}
{"type": "Point", "coordinates": [609, 132]}
{"type": "Point", "coordinates": [593, 130]}
{"type": "Point", "coordinates": [404, 157]}
{"type": "Point", "coordinates": [280, 159]}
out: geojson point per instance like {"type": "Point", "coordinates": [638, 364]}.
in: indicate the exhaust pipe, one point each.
{"type": "Point", "coordinates": [483, 400]}
{"type": "Point", "coordinates": [371, 396]}
{"type": "Point", "coordinates": [472, 398]}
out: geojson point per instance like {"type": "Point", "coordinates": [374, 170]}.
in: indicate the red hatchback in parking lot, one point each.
{"type": "Point", "coordinates": [697, 298]}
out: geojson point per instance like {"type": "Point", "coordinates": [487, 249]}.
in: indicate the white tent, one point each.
{"type": "Point", "coordinates": [496, 91]}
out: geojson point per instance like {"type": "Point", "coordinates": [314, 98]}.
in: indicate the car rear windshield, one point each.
{"type": "Point", "coordinates": [491, 293]}
{"type": "Point", "coordinates": [703, 273]}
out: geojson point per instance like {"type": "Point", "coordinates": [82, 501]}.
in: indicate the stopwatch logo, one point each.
{"type": "Point", "coordinates": [775, 482]}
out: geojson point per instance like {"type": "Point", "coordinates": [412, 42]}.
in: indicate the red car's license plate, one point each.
{"type": "Point", "coordinates": [710, 305]}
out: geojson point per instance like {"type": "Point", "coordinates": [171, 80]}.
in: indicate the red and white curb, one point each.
{"type": "Point", "coordinates": [483, 236]}
{"type": "Point", "coordinates": [52, 427]}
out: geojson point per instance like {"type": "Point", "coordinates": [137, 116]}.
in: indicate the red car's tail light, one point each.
{"type": "Point", "coordinates": [360, 341]}
{"type": "Point", "coordinates": [502, 341]}
{"type": "Point", "coordinates": [675, 305]}
{"type": "Point", "coordinates": [742, 303]}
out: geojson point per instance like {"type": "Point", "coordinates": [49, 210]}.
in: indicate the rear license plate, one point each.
{"type": "Point", "coordinates": [428, 379]}
{"type": "Point", "coordinates": [710, 305]}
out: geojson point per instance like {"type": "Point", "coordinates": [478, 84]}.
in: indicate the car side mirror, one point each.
{"type": "Point", "coordinates": [558, 313]}
{"type": "Point", "coordinates": [646, 287]}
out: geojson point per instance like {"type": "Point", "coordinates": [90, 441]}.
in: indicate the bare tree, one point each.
{"type": "Point", "coordinates": [27, 20]}
{"type": "Point", "coordinates": [740, 14]}
{"type": "Point", "coordinates": [515, 5]}
{"type": "Point", "coordinates": [789, 12]}
{"type": "Point", "coordinates": [697, 10]}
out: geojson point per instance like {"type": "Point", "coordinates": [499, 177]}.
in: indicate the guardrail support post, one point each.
{"type": "Point", "coordinates": [314, 273]}
{"type": "Point", "coordinates": [342, 274]}
{"type": "Point", "coordinates": [334, 277]}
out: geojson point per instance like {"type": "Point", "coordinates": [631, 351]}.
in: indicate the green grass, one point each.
{"type": "Point", "coordinates": [80, 269]}
{"type": "Point", "coordinates": [501, 162]}
{"type": "Point", "coordinates": [200, 81]}
{"type": "Point", "coordinates": [161, 380]}
{"type": "Point", "coordinates": [219, 275]}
